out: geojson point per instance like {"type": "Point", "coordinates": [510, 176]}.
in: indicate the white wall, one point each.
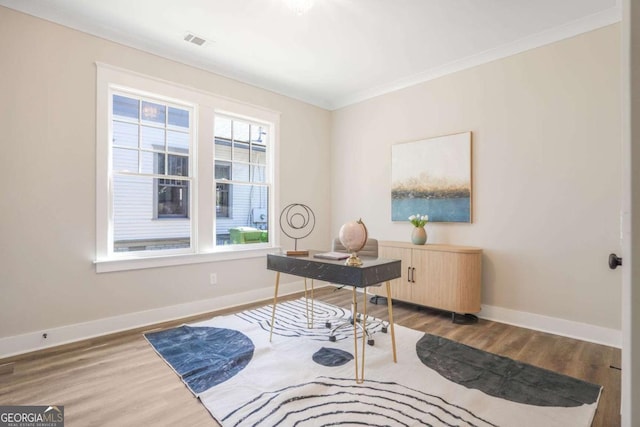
{"type": "Point", "coordinates": [546, 127]}
{"type": "Point", "coordinates": [47, 163]}
{"type": "Point", "coordinates": [546, 172]}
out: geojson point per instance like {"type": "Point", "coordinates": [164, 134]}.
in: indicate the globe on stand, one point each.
{"type": "Point", "coordinates": [353, 236]}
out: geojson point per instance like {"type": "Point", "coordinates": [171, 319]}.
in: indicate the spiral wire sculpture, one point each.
{"type": "Point", "coordinates": [297, 221]}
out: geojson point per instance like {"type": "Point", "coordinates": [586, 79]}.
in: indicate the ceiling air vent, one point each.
{"type": "Point", "coordinates": [192, 38]}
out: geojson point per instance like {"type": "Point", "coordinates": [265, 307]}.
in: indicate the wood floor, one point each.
{"type": "Point", "coordinates": [121, 381]}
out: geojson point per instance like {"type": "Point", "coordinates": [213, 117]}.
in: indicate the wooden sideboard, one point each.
{"type": "Point", "coordinates": [446, 277]}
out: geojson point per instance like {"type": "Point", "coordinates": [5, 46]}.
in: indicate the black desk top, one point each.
{"type": "Point", "coordinates": [373, 271]}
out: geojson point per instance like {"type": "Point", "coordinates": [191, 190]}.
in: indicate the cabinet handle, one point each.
{"type": "Point", "coordinates": [409, 274]}
{"type": "Point", "coordinates": [413, 275]}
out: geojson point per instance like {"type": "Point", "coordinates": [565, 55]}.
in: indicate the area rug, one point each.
{"type": "Point", "coordinates": [303, 379]}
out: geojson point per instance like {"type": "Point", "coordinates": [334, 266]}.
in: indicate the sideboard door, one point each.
{"type": "Point", "coordinates": [401, 288]}
{"type": "Point", "coordinates": [449, 281]}
{"type": "Point", "coordinates": [446, 277]}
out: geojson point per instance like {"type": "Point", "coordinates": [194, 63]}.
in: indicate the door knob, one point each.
{"type": "Point", "coordinates": [614, 261]}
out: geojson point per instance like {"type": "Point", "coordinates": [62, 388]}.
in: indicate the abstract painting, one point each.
{"type": "Point", "coordinates": [432, 177]}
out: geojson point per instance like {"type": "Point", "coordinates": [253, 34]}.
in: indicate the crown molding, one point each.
{"type": "Point", "coordinates": [572, 29]}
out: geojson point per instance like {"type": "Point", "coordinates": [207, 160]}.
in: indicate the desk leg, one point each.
{"type": "Point", "coordinates": [357, 360]}
{"type": "Point", "coordinates": [312, 311]}
{"type": "Point", "coordinates": [275, 302]}
{"type": "Point", "coordinates": [390, 313]}
{"type": "Point", "coordinates": [306, 301]}
{"type": "Point", "coordinates": [363, 325]}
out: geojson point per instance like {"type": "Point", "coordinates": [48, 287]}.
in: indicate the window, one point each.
{"type": "Point", "coordinates": [222, 175]}
{"type": "Point", "coordinates": [172, 199]}
{"type": "Point", "coordinates": [180, 173]}
{"type": "Point", "coordinates": [151, 140]}
{"type": "Point", "coordinates": [242, 187]}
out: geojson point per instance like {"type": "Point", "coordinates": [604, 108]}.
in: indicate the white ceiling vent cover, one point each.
{"type": "Point", "coordinates": [197, 40]}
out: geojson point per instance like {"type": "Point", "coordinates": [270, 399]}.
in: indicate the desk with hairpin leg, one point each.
{"type": "Point", "coordinates": [373, 271]}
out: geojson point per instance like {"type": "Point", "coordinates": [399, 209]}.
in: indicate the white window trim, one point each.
{"type": "Point", "coordinates": [236, 253]}
{"type": "Point", "coordinates": [202, 193]}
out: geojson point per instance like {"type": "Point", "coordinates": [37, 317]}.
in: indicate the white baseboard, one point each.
{"type": "Point", "coordinates": [32, 341]}
{"type": "Point", "coordinates": [20, 344]}
{"type": "Point", "coordinates": [553, 325]}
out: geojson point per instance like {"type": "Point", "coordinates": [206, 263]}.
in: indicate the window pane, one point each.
{"type": "Point", "coordinates": [125, 160]}
{"type": "Point", "coordinates": [240, 152]}
{"type": "Point", "coordinates": [247, 221]}
{"type": "Point", "coordinates": [178, 141]}
{"type": "Point", "coordinates": [178, 117]}
{"type": "Point", "coordinates": [240, 131]}
{"type": "Point", "coordinates": [258, 173]}
{"type": "Point", "coordinates": [240, 172]}
{"type": "Point", "coordinates": [223, 170]}
{"type": "Point", "coordinates": [258, 134]}
{"type": "Point", "coordinates": [124, 107]}
{"type": "Point", "coordinates": [133, 229]}
{"type": "Point", "coordinates": [222, 128]}
{"type": "Point", "coordinates": [178, 165]}
{"type": "Point", "coordinates": [222, 149]}
{"type": "Point", "coordinates": [258, 154]}
{"type": "Point", "coordinates": [153, 163]}
{"type": "Point", "coordinates": [152, 138]}
{"type": "Point", "coordinates": [222, 200]}
{"type": "Point", "coordinates": [153, 112]}
{"type": "Point", "coordinates": [173, 198]}
{"type": "Point", "coordinates": [125, 134]}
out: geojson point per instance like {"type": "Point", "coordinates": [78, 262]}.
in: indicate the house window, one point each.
{"type": "Point", "coordinates": [173, 199]}
{"type": "Point", "coordinates": [158, 203]}
{"type": "Point", "coordinates": [223, 173]}
{"type": "Point", "coordinates": [173, 194]}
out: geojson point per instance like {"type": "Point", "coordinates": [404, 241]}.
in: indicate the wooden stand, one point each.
{"type": "Point", "coordinates": [297, 253]}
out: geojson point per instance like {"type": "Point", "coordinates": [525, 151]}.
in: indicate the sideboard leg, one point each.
{"type": "Point", "coordinates": [463, 319]}
{"type": "Point", "coordinates": [374, 299]}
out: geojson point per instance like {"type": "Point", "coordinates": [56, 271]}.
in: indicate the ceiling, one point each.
{"type": "Point", "coordinates": [340, 51]}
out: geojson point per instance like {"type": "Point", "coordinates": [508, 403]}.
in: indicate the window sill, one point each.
{"type": "Point", "coordinates": [121, 264]}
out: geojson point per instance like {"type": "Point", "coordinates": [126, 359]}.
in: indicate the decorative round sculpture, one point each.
{"type": "Point", "coordinates": [353, 236]}
{"type": "Point", "coordinates": [297, 221]}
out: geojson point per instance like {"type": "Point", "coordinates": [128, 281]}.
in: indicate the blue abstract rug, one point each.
{"type": "Point", "coordinates": [303, 379]}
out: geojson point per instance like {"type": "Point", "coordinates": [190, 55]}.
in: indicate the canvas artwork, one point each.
{"type": "Point", "coordinates": [432, 177]}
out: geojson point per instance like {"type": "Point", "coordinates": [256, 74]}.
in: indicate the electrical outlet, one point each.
{"type": "Point", "coordinates": [213, 279]}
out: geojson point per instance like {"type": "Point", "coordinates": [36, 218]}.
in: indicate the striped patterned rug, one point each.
{"type": "Point", "coordinates": [303, 379]}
